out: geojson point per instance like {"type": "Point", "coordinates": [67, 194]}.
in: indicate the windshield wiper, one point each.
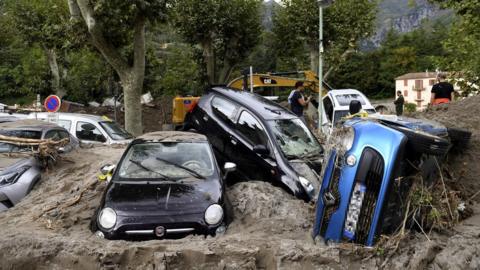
{"type": "Point", "coordinates": [290, 156]}
{"type": "Point", "coordinates": [163, 176]}
{"type": "Point", "coordinates": [192, 172]}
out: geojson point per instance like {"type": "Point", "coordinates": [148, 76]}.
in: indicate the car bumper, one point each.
{"type": "Point", "coordinates": [351, 198]}
{"type": "Point", "coordinates": [159, 227]}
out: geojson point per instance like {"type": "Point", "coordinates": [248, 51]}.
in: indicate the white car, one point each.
{"type": "Point", "coordinates": [89, 128]}
{"type": "Point", "coordinates": [336, 106]}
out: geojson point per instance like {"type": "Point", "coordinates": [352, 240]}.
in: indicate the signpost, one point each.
{"type": "Point", "coordinates": [52, 104]}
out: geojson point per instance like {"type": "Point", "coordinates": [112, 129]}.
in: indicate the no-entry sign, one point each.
{"type": "Point", "coordinates": [52, 103]}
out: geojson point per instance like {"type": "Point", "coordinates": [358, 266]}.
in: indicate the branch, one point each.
{"type": "Point", "coordinates": [96, 32]}
{"type": "Point", "coordinates": [139, 46]}
{"type": "Point", "coordinates": [74, 10]}
{"type": "Point", "coordinates": [342, 58]}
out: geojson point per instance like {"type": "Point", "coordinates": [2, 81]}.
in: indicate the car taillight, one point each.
{"type": "Point", "coordinates": [192, 106]}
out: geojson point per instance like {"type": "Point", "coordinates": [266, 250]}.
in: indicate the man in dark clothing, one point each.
{"type": "Point", "coordinates": [399, 103]}
{"type": "Point", "coordinates": [442, 92]}
{"type": "Point", "coordinates": [297, 100]}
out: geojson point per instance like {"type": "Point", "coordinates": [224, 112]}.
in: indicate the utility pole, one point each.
{"type": "Point", "coordinates": [321, 4]}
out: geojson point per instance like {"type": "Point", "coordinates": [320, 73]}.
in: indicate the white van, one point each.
{"type": "Point", "coordinates": [336, 104]}
{"type": "Point", "coordinates": [89, 128]}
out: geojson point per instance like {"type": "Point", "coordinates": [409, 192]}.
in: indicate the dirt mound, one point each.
{"type": "Point", "coordinates": [464, 165]}
{"type": "Point", "coordinates": [271, 229]}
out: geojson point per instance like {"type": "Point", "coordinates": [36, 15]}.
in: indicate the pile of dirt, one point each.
{"type": "Point", "coordinates": [463, 166]}
{"type": "Point", "coordinates": [271, 229]}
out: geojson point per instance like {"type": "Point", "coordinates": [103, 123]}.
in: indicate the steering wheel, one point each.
{"type": "Point", "coordinates": [194, 165]}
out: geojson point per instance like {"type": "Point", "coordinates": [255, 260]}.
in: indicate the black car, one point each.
{"type": "Point", "coordinates": [167, 184]}
{"type": "Point", "coordinates": [264, 139]}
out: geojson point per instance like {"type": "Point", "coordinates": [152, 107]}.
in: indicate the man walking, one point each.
{"type": "Point", "coordinates": [442, 92]}
{"type": "Point", "coordinates": [399, 102]}
{"type": "Point", "coordinates": [297, 100]}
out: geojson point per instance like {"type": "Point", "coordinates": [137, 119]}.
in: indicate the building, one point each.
{"type": "Point", "coordinates": [417, 87]}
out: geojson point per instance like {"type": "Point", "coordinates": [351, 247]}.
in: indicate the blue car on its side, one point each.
{"type": "Point", "coordinates": [356, 181]}
{"type": "Point", "coordinates": [359, 198]}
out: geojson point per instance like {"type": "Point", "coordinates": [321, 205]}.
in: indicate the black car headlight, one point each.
{"type": "Point", "coordinates": [107, 218]}
{"type": "Point", "coordinates": [12, 177]}
{"type": "Point", "coordinates": [214, 214]}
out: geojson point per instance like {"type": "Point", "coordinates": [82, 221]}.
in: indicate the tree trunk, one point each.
{"type": "Point", "coordinates": [209, 58]}
{"type": "Point", "coordinates": [131, 76]}
{"type": "Point", "coordinates": [225, 72]}
{"type": "Point", "coordinates": [314, 59]}
{"type": "Point", "coordinates": [52, 63]}
{"type": "Point", "coordinates": [132, 91]}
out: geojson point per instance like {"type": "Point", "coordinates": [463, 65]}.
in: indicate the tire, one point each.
{"type": "Point", "coordinates": [422, 142]}
{"type": "Point", "coordinates": [459, 137]}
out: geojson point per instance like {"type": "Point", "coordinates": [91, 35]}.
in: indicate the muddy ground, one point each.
{"type": "Point", "coordinates": [271, 229]}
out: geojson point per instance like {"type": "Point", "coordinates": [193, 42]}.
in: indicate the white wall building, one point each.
{"type": "Point", "coordinates": [417, 87]}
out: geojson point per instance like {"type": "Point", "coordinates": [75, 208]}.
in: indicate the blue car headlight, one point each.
{"type": "Point", "coordinates": [12, 176]}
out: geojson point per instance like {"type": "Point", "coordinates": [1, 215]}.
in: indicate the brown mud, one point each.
{"type": "Point", "coordinates": [271, 229]}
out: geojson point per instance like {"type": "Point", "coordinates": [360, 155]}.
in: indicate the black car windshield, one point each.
{"type": "Point", "coordinates": [115, 131]}
{"type": "Point", "coordinates": [167, 161]}
{"type": "Point", "coordinates": [294, 138]}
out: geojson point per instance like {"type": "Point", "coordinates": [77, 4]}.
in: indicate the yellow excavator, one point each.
{"type": "Point", "coordinates": [267, 81]}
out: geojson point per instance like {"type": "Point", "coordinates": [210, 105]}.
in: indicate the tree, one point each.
{"type": "Point", "coordinates": [345, 23]}
{"type": "Point", "coordinates": [44, 23]}
{"type": "Point", "coordinates": [117, 30]}
{"type": "Point", "coordinates": [462, 44]}
{"type": "Point", "coordinates": [225, 30]}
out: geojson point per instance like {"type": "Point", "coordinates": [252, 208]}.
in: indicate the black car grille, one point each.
{"type": "Point", "coordinates": [330, 209]}
{"type": "Point", "coordinates": [370, 174]}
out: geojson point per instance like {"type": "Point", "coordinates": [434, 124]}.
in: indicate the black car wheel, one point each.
{"type": "Point", "coordinates": [459, 137]}
{"type": "Point", "coordinates": [423, 142]}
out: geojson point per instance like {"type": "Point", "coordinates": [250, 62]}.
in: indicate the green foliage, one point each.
{"type": "Point", "coordinates": [88, 76]}
{"type": "Point", "coordinates": [374, 72]}
{"type": "Point", "coordinates": [463, 42]}
{"type": "Point", "coordinates": [176, 73]}
{"type": "Point", "coordinates": [410, 107]}
{"type": "Point", "coordinates": [344, 24]}
{"type": "Point", "coordinates": [232, 28]}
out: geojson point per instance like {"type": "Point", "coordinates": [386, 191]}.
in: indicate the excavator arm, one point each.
{"type": "Point", "coordinates": [283, 79]}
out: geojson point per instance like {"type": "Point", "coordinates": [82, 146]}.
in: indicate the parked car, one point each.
{"type": "Point", "coordinates": [90, 128]}
{"type": "Point", "coordinates": [336, 106]}
{"type": "Point", "coordinates": [264, 139]}
{"type": "Point", "coordinates": [20, 172]}
{"type": "Point", "coordinates": [166, 184]}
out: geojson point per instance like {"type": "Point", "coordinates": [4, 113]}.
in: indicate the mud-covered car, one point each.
{"type": "Point", "coordinates": [360, 197]}
{"type": "Point", "coordinates": [264, 139]}
{"type": "Point", "coordinates": [19, 170]}
{"type": "Point", "coordinates": [363, 163]}
{"type": "Point", "coordinates": [167, 184]}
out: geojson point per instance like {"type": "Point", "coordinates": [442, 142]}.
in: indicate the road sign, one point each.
{"type": "Point", "coordinates": [52, 103]}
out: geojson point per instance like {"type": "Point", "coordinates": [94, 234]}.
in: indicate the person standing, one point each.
{"type": "Point", "coordinates": [442, 92]}
{"type": "Point", "coordinates": [298, 101]}
{"type": "Point", "coordinates": [399, 102]}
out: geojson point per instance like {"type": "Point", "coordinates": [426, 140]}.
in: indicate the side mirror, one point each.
{"type": "Point", "coordinates": [228, 168]}
{"type": "Point", "coordinates": [262, 150]}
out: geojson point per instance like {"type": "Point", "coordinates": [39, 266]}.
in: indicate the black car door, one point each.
{"type": "Point", "coordinates": [218, 124]}
{"type": "Point", "coordinates": [249, 132]}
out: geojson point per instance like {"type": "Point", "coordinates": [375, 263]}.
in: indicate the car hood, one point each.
{"type": "Point", "coordinates": [16, 160]}
{"type": "Point", "coordinates": [424, 125]}
{"type": "Point", "coordinates": [168, 198]}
